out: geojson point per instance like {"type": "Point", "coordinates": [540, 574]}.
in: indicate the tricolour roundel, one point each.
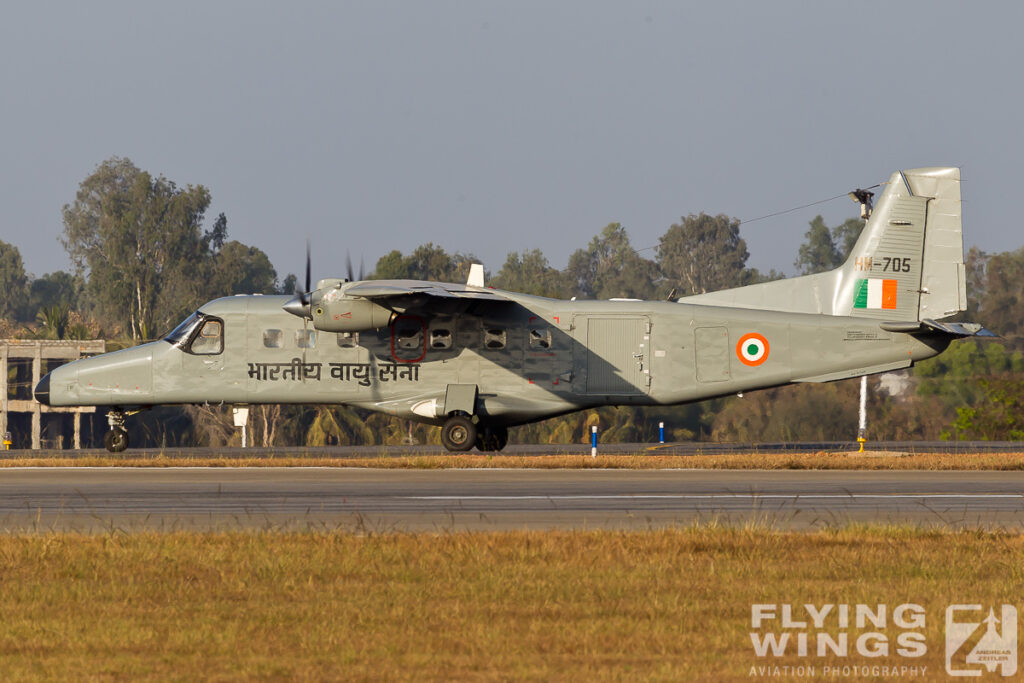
{"type": "Point", "coordinates": [752, 349]}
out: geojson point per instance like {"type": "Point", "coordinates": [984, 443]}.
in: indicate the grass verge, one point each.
{"type": "Point", "coordinates": [813, 461]}
{"type": "Point", "coordinates": [668, 605]}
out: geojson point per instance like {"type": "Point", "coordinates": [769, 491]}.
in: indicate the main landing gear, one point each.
{"type": "Point", "coordinates": [492, 439]}
{"type": "Point", "coordinates": [460, 434]}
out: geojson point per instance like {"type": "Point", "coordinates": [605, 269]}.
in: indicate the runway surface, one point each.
{"type": "Point", "coordinates": [88, 499]}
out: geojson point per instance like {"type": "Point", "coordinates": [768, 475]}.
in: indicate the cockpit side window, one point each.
{"type": "Point", "coordinates": [210, 339]}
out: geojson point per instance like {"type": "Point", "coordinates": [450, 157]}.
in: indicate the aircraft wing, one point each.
{"type": "Point", "coordinates": [400, 289]}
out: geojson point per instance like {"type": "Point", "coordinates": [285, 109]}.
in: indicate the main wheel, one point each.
{"type": "Point", "coordinates": [116, 440]}
{"type": "Point", "coordinates": [458, 433]}
{"type": "Point", "coordinates": [492, 439]}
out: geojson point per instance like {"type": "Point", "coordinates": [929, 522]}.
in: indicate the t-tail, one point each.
{"type": "Point", "coordinates": [906, 269]}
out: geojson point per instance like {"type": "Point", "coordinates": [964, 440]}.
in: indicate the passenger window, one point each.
{"type": "Point", "coordinates": [305, 339]}
{"type": "Point", "coordinates": [441, 338]}
{"type": "Point", "coordinates": [408, 339]}
{"type": "Point", "coordinates": [348, 340]}
{"type": "Point", "coordinates": [494, 338]}
{"type": "Point", "coordinates": [540, 339]}
{"type": "Point", "coordinates": [273, 339]}
{"type": "Point", "coordinates": [210, 340]}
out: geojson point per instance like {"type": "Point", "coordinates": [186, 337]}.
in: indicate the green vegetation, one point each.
{"type": "Point", "coordinates": [144, 259]}
{"type": "Point", "coordinates": [667, 605]}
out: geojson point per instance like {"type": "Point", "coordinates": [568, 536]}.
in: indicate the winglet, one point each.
{"type": "Point", "coordinates": [476, 275]}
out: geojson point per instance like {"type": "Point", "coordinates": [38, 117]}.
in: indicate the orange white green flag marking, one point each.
{"type": "Point", "coordinates": [875, 293]}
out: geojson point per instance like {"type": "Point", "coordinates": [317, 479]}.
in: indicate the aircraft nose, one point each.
{"type": "Point", "coordinates": [42, 391]}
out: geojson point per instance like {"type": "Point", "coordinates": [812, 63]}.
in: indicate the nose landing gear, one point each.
{"type": "Point", "coordinates": [116, 440]}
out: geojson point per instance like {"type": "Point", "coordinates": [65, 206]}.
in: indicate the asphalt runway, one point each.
{"type": "Point", "coordinates": [130, 499]}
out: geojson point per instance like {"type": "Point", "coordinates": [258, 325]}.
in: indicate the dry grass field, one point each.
{"type": "Point", "coordinates": [662, 605]}
{"type": "Point", "coordinates": [813, 461]}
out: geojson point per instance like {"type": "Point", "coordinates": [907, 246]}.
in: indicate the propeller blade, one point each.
{"type": "Point", "coordinates": [309, 284]}
{"type": "Point", "coordinates": [348, 266]}
{"type": "Point", "coordinates": [300, 303]}
{"type": "Point", "coordinates": [361, 272]}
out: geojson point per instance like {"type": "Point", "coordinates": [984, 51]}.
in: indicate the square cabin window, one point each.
{"type": "Point", "coordinates": [540, 339]}
{"type": "Point", "coordinates": [273, 339]}
{"type": "Point", "coordinates": [348, 340]}
{"type": "Point", "coordinates": [305, 339]}
{"type": "Point", "coordinates": [494, 338]}
{"type": "Point", "coordinates": [441, 338]}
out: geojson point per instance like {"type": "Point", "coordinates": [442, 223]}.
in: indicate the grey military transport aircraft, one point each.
{"type": "Point", "coordinates": [477, 360]}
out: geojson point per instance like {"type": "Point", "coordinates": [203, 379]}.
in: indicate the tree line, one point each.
{"type": "Point", "coordinates": [143, 258]}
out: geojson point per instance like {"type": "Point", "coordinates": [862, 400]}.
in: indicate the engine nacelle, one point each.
{"type": "Point", "coordinates": [350, 315]}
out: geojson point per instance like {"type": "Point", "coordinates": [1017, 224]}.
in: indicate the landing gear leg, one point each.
{"type": "Point", "coordinates": [116, 440]}
{"type": "Point", "coordinates": [492, 438]}
{"type": "Point", "coordinates": [459, 433]}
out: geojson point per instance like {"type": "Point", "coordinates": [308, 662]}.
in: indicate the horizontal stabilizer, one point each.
{"type": "Point", "coordinates": [952, 329]}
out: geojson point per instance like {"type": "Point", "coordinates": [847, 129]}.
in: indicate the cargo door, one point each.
{"type": "Point", "coordinates": [617, 356]}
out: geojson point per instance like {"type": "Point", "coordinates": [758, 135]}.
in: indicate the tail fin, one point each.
{"type": "Point", "coordinates": [907, 265]}
{"type": "Point", "coordinates": [909, 261]}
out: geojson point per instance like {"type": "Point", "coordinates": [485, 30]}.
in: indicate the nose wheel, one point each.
{"type": "Point", "coordinates": [116, 440]}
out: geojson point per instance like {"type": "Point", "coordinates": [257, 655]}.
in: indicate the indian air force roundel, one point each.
{"type": "Point", "coordinates": [752, 349]}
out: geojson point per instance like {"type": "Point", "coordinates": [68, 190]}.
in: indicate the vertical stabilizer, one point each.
{"type": "Point", "coordinates": [882, 277]}
{"type": "Point", "coordinates": [907, 265]}
{"type": "Point", "coordinates": [909, 261]}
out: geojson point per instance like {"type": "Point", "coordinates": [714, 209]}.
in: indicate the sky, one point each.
{"type": "Point", "coordinates": [491, 127]}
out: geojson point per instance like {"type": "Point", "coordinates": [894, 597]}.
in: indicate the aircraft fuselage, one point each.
{"type": "Point", "coordinates": [527, 359]}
